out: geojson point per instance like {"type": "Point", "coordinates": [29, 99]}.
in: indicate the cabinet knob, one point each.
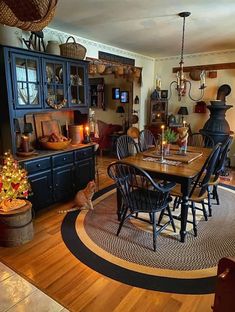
{"type": "Point", "coordinates": [56, 184]}
{"type": "Point", "coordinates": [64, 158]}
{"type": "Point", "coordinates": [50, 187]}
{"type": "Point", "coordinates": [38, 165]}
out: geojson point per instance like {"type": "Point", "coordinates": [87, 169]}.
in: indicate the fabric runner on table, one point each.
{"type": "Point", "coordinates": [166, 161]}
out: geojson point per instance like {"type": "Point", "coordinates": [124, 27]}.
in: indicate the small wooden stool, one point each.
{"type": "Point", "coordinates": [16, 226]}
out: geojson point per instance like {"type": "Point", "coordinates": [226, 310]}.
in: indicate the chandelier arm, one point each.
{"type": "Point", "coordinates": [170, 93]}
{"type": "Point", "coordinates": [189, 93]}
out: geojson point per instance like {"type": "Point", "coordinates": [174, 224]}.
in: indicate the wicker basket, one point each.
{"type": "Point", "coordinates": [29, 10]}
{"type": "Point", "coordinates": [72, 49]}
{"type": "Point", "coordinates": [8, 17]}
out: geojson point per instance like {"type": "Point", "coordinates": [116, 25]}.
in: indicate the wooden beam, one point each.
{"type": "Point", "coordinates": [206, 67]}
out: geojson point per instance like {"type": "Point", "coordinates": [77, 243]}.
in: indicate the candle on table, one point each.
{"type": "Point", "coordinates": [163, 145]}
{"type": "Point", "coordinates": [25, 143]}
{"type": "Point", "coordinates": [184, 123]}
{"type": "Point", "coordinates": [162, 127]}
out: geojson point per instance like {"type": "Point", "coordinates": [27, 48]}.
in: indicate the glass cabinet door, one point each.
{"type": "Point", "coordinates": [55, 84]}
{"type": "Point", "coordinates": [26, 82]}
{"type": "Point", "coordinates": [77, 85]}
{"type": "Point", "coordinates": [158, 112]}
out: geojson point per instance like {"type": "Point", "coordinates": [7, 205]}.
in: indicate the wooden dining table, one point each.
{"type": "Point", "coordinates": [182, 172]}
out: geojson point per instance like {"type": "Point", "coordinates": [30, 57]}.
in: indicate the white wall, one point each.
{"type": "Point", "coordinates": [163, 68]}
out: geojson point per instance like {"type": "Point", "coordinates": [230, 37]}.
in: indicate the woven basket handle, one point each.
{"type": "Point", "coordinates": [71, 37]}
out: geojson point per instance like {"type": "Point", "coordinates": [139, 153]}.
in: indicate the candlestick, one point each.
{"type": "Point", "coordinates": [162, 160]}
{"type": "Point", "coordinates": [184, 123]}
{"type": "Point", "coordinates": [162, 127]}
{"type": "Point", "coordinates": [163, 135]}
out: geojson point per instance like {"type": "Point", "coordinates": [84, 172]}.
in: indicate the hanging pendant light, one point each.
{"type": "Point", "coordinates": [181, 82]}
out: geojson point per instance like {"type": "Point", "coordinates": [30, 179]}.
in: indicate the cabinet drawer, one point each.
{"type": "Point", "coordinates": [37, 165]}
{"type": "Point", "coordinates": [83, 153]}
{"type": "Point", "coordinates": [62, 159]}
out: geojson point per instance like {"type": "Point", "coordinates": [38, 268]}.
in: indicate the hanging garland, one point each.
{"type": "Point", "coordinates": [51, 103]}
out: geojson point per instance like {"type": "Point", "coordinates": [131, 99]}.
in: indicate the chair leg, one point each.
{"type": "Point", "coordinates": [171, 218]}
{"type": "Point", "coordinates": [194, 219]}
{"type": "Point", "coordinates": [215, 192]}
{"type": "Point", "coordinates": [204, 210]}
{"type": "Point", "coordinates": [161, 216]}
{"type": "Point", "coordinates": [122, 221]}
{"type": "Point", "coordinates": [154, 231]}
{"type": "Point", "coordinates": [209, 202]}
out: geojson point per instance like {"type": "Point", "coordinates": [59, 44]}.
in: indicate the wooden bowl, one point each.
{"type": "Point", "coordinates": [55, 145]}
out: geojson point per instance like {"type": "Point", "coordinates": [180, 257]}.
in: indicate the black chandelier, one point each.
{"type": "Point", "coordinates": [181, 82]}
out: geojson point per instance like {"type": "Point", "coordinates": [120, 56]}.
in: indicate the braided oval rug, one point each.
{"type": "Point", "coordinates": [187, 268]}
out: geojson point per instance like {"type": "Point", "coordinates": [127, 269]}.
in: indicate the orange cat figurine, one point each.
{"type": "Point", "coordinates": [83, 198]}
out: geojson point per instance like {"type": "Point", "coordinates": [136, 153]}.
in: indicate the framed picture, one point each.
{"type": "Point", "coordinates": [116, 93]}
{"type": "Point", "coordinates": [164, 94]}
{"type": "Point", "coordinates": [124, 97]}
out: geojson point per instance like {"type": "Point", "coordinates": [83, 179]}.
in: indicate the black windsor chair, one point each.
{"type": "Point", "coordinates": [219, 168]}
{"type": "Point", "coordinates": [131, 182]}
{"type": "Point", "coordinates": [200, 140]}
{"type": "Point", "coordinates": [126, 146]}
{"type": "Point", "coordinates": [199, 188]}
{"type": "Point", "coordinates": [146, 140]}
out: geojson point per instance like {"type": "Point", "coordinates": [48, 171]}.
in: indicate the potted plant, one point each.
{"type": "Point", "coordinates": [170, 136]}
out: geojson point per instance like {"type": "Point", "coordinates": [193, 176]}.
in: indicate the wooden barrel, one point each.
{"type": "Point", "coordinates": [16, 226]}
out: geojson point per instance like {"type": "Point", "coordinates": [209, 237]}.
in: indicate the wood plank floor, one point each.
{"type": "Point", "coordinates": [47, 263]}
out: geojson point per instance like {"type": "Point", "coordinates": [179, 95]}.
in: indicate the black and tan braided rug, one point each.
{"type": "Point", "coordinates": [186, 268]}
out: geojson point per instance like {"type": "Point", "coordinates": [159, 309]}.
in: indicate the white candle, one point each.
{"type": "Point", "coordinates": [184, 123]}
{"type": "Point", "coordinates": [204, 78]}
{"type": "Point", "coordinates": [178, 78]}
{"type": "Point", "coordinates": [162, 127]}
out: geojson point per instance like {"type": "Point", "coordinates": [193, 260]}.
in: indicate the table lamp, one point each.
{"type": "Point", "coordinates": [120, 110]}
{"type": "Point", "coordinates": [183, 111]}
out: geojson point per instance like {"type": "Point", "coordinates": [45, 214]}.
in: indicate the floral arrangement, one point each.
{"type": "Point", "coordinates": [13, 183]}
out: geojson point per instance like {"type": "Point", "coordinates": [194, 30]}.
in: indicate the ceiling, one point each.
{"type": "Point", "coordinates": [151, 28]}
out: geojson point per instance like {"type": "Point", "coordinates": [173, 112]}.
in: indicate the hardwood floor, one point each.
{"type": "Point", "coordinates": [47, 263]}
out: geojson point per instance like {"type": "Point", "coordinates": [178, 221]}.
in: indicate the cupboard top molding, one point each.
{"type": "Point", "coordinates": [206, 67]}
